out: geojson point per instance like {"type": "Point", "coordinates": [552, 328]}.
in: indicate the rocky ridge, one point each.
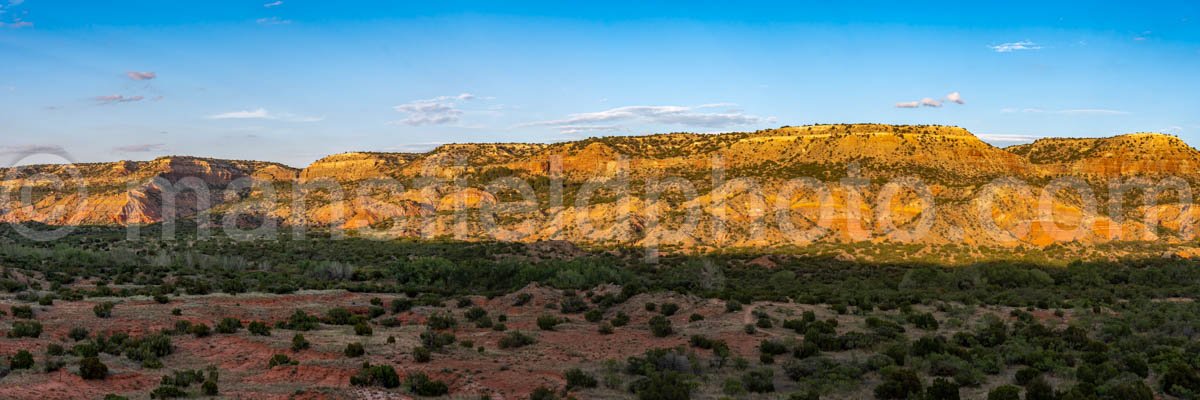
{"type": "Point", "coordinates": [947, 186]}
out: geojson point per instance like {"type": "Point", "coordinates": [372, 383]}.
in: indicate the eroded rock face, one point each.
{"type": "Point", "coordinates": [744, 196]}
{"type": "Point", "coordinates": [355, 166]}
{"type": "Point", "coordinates": [1138, 154]}
{"type": "Point", "coordinates": [127, 192]}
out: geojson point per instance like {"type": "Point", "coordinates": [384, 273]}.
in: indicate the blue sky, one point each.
{"type": "Point", "coordinates": [294, 80]}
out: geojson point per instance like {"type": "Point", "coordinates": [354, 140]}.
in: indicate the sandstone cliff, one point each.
{"type": "Point", "coordinates": [912, 184]}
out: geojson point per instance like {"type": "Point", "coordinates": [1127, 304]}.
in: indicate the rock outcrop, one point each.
{"type": "Point", "coordinates": [789, 186]}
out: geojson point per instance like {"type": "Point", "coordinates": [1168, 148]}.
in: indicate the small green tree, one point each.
{"type": "Point", "coordinates": [103, 310]}
{"type": "Point", "coordinates": [660, 326]}
{"type": "Point", "coordinates": [354, 350]}
{"type": "Point", "coordinates": [22, 360]}
{"type": "Point", "coordinates": [91, 368]}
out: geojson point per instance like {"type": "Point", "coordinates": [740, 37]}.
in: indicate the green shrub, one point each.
{"type": "Point", "coordinates": [338, 316]}
{"type": "Point", "coordinates": [399, 305]}
{"type": "Point", "coordinates": [619, 320]}
{"type": "Point", "coordinates": [55, 349]}
{"type": "Point", "coordinates": [354, 350]}
{"type": "Point", "coordinates": [23, 312]}
{"type": "Point", "coordinates": [419, 384]}
{"type": "Point", "coordinates": [167, 392]}
{"type": "Point", "coordinates": [441, 321]}
{"type": "Point", "coordinates": [593, 315]}
{"type": "Point", "coordinates": [733, 306]}
{"type": "Point", "coordinates": [1005, 392]}
{"type": "Point", "coordinates": [300, 321]}
{"type": "Point", "coordinates": [91, 368]}
{"type": "Point", "coordinates": [548, 322]}
{"type": "Point", "coordinates": [199, 330]}
{"type": "Point", "coordinates": [1039, 389]}
{"type": "Point", "coordinates": [78, 333]}
{"type": "Point", "coordinates": [362, 329]}
{"type": "Point", "coordinates": [759, 380]}
{"type": "Point", "coordinates": [924, 321]}
{"type": "Point", "coordinates": [376, 375]}
{"type": "Point", "coordinates": [422, 354]}
{"type": "Point", "coordinates": [259, 328]}
{"type": "Point", "coordinates": [942, 389]}
{"type": "Point", "coordinates": [22, 360]}
{"type": "Point", "coordinates": [103, 310]}
{"type": "Point", "coordinates": [280, 359]}
{"type": "Point", "coordinates": [669, 309]}
{"type": "Point", "coordinates": [573, 305]}
{"type": "Point", "coordinates": [660, 326]}
{"type": "Point", "coordinates": [576, 378]}
{"type": "Point", "coordinates": [229, 325]}
{"type": "Point", "coordinates": [516, 339]}
{"type": "Point", "coordinates": [300, 343]}
{"type": "Point", "coordinates": [1180, 380]}
{"type": "Point", "coordinates": [29, 329]}
{"type": "Point", "coordinates": [209, 388]}
{"type": "Point", "coordinates": [899, 383]}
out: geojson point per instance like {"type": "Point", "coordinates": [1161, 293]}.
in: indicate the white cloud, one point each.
{"type": "Point", "coordinates": [141, 76]}
{"type": "Point", "coordinates": [1174, 130]}
{"type": "Point", "coordinates": [117, 98]}
{"type": "Point", "coordinates": [1015, 46]}
{"type": "Point", "coordinates": [16, 24]}
{"type": "Point", "coordinates": [436, 111]}
{"type": "Point", "coordinates": [575, 129]}
{"type": "Point", "coordinates": [140, 148]}
{"type": "Point", "coordinates": [273, 21]}
{"type": "Point", "coordinates": [1091, 111]}
{"type": "Point", "coordinates": [32, 149]}
{"type": "Point", "coordinates": [671, 115]}
{"type": "Point", "coordinates": [955, 97]}
{"type": "Point", "coordinates": [1008, 138]}
{"type": "Point", "coordinates": [908, 104]}
{"type": "Point", "coordinates": [262, 113]}
{"type": "Point", "coordinates": [1075, 111]}
{"type": "Point", "coordinates": [929, 102]}
{"type": "Point", "coordinates": [276, 3]}
{"type": "Point", "coordinates": [15, 2]}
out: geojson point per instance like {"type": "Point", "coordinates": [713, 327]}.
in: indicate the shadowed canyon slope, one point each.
{"type": "Point", "coordinates": [771, 188]}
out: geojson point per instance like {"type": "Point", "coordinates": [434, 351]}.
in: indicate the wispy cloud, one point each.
{"type": "Point", "coordinates": [141, 76]}
{"type": "Point", "coordinates": [576, 129]}
{"type": "Point", "coordinates": [1007, 138]}
{"type": "Point", "coordinates": [693, 116]}
{"type": "Point", "coordinates": [18, 19]}
{"type": "Point", "coordinates": [117, 98]}
{"type": "Point", "coordinates": [1015, 46]}
{"type": "Point", "coordinates": [273, 21]}
{"type": "Point", "coordinates": [439, 110]}
{"type": "Point", "coordinates": [276, 3]}
{"type": "Point", "coordinates": [31, 149]}
{"type": "Point", "coordinates": [1174, 130]}
{"type": "Point", "coordinates": [414, 147]}
{"type": "Point", "coordinates": [16, 24]}
{"type": "Point", "coordinates": [262, 113]}
{"type": "Point", "coordinates": [140, 148]}
{"type": "Point", "coordinates": [1075, 111]}
{"type": "Point", "coordinates": [955, 97]}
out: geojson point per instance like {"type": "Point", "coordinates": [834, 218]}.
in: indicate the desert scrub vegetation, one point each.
{"type": "Point", "coordinates": [818, 326]}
